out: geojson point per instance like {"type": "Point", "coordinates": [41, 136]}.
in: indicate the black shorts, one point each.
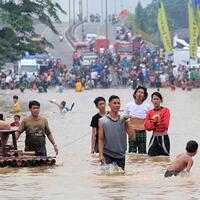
{"type": "Point", "coordinates": [171, 173]}
{"type": "Point", "coordinates": [96, 147]}
{"type": "Point", "coordinates": [119, 161]}
{"type": "Point", "coordinates": [159, 146]}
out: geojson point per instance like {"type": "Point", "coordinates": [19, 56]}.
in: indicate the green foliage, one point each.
{"type": "Point", "coordinates": [130, 23]}
{"type": "Point", "coordinates": [176, 11]}
{"type": "Point", "coordinates": [18, 27]}
{"type": "Point", "coordinates": [140, 17]}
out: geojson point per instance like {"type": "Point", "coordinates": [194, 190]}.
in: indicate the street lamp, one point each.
{"type": "Point", "coordinates": [87, 8]}
{"type": "Point", "coordinates": [69, 11]}
{"type": "Point", "coordinates": [106, 22]}
{"type": "Point", "coordinates": [122, 5]}
{"type": "Point", "coordinates": [81, 17]}
{"type": "Point", "coordinates": [102, 10]}
{"type": "Point", "coordinates": [74, 17]}
{"type": "Point", "coordinates": [115, 7]}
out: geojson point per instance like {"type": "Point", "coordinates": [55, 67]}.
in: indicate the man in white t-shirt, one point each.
{"type": "Point", "coordinates": [94, 76]}
{"type": "Point", "coordinates": [138, 109]}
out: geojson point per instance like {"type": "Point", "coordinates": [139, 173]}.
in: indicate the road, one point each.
{"type": "Point", "coordinates": [61, 49]}
{"type": "Point", "coordinates": [97, 28]}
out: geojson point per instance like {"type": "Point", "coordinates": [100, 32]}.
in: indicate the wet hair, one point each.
{"type": "Point", "coordinates": [158, 95]}
{"type": "Point", "coordinates": [17, 116]}
{"type": "Point", "coordinates": [113, 97]}
{"type": "Point", "coordinates": [63, 103]}
{"type": "Point", "coordinates": [191, 146]}
{"type": "Point", "coordinates": [145, 92]}
{"type": "Point", "coordinates": [98, 99]}
{"type": "Point", "coordinates": [15, 97]}
{"type": "Point", "coordinates": [33, 103]}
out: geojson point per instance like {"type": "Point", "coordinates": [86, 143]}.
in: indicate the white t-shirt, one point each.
{"type": "Point", "coordinates": [94, 75]}
{"type": "Point", "coordinates": [136, 110]}
{"type": "Point", "coordinates": [8, 79]}
{"type": "Point", "coordinates": [162, 78]}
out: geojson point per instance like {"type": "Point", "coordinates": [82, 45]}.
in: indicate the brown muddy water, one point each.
{"type": "Point", "coordinates": [78, 175]}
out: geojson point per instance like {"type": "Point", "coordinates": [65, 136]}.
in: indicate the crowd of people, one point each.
{"type": "Point", "coordinates": [110, 129]}
{"type": "Point", "coordinates": [148, 69]}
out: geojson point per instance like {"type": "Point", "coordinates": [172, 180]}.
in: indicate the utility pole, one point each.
{"type": "Point", "coordinates": [115, 7]}
{"type": "Point", "coordinates": [69, 11]}
{"type": "Point", "coordinates": [87, 9]}
{"type": "Point", "coordinates": [102, 10]}
{"type": "Point", "coordinates": [122, 5]}
{"type": "Point", "coordinates": [81, 17]}
{"type": "Point", "coordinates": [106, 22]}
{"type": "Point", "coordinates": [74, 15]}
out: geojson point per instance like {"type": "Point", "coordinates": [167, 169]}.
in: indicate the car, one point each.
{"type": "Point", "coordinates": [90, 36]}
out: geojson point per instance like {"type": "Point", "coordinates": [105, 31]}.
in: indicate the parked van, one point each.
{"type": "Point", "coordinates": [28, 66]}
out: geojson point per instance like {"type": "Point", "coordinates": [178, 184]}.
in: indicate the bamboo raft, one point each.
{"type": "Point", "coordinates": [10, 156]}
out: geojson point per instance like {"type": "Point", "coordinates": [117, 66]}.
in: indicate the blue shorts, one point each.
{"type": "Point", "coordinates": [171, 173]}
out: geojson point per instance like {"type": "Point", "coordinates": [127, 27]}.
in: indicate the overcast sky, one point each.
{"type": "Point", "coordinates": [95, 6]}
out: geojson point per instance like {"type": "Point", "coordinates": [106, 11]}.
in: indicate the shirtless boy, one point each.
{"type": "Point", "coordinates": [183, 161]}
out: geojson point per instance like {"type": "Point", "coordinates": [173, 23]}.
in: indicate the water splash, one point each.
{"type": "Point", "coordinates": [111, 169]}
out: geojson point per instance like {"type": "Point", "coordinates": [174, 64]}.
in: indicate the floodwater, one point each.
{"type": "Point", "coordinates": [78, 174]}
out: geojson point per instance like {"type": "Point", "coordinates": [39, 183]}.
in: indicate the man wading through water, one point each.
{"type": "Point", "coordinates": [36, 127]}
{"type": "Point", "coordinates": [113, 136]}
{"type": "Point", "coordinates": [100, 104]}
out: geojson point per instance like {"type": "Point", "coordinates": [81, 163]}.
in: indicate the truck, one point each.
{"type": "Point", "coordinates": [124, 49]}
{"type": "Point", "coordinates": [182, 57]}
{"type": "Point", "coordinates": [28, 66]}
{"type": "Point", "coordinates": [137, 41]}
{"type": "Point", "coordinates": [101, 44]}
{"type": "Point", "coordinates": [81, 47]}
{"type": "Point", "coordinates": [88, 58]}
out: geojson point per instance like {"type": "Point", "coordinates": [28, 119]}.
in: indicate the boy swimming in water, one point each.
{"type": "Point", "coordinates": [183, 161]}
{"type": "Point", "coordinates": [62, 106]}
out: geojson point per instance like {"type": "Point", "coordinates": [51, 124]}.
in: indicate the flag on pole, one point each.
{"type": "Point", "coordinates": [123, 13]}
{"type": "Point", "coordinates": [163, 28]}
{"type": "Point", "coordinates": [193, 31]}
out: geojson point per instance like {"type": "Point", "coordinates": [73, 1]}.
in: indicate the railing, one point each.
{"type": "Point", "coordinates": [70, 34]}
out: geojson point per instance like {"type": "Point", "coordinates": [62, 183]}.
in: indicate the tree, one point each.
{"type": "Point", "coordinates": [17, 30]}
{"type": "Point", "coordinates": [139, 16]}
{"type": "Point", "coordinates": [146, 18]}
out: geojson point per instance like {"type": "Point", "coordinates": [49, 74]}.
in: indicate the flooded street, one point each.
{"type": "Point", "coordinates": [78, 175]}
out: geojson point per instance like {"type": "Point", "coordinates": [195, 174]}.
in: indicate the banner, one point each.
{"type": "Point", "coordinates": [164, 29]}
{"type": "Point", "coordinates": [197, 6]}
{"type": "Point", "coordinates": [193, 31]}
